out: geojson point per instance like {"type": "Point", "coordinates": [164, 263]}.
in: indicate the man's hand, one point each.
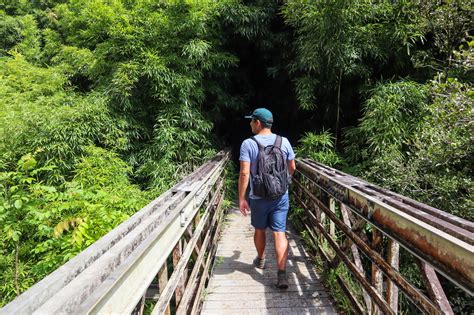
{"type": "Point", "coordinates": [244, 207]}
{"type": "Point", "coordinates": [244, 176]}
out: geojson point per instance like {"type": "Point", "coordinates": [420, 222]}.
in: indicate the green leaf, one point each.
{"type": "Point", "coordinates": [16, 236]}
{"type": "Point", "coordinates": [18, 203]}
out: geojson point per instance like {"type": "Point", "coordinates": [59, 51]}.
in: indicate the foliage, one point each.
{"type": "Point", "coordinates": [10, 32]}
{"type": "Point", "coordinates": [102, 92]}
{"type": "Point", "coordinates": [446, 24]}
{"type": "Point", "coordinates": [346, 40]}
{"type": "Point", "coordinates": [391, 118]}
{"type": "Point", "coordinates": [143, 77]}
{"type": "Point", "coordinates": [417, 140]}
{"type": "Point", "coordinates": [443, 150]}
{"type": "Point", "coordinates": [180, 144]}
{"type": "Point", "coordinates": [20, 34]}
{"type": "Point", "coordinates": [231, 179]}
{"type": "Point", "coordinates": [343, 47]}
{"type": "Point", "coordinates": [152, 59]}
{"type": "Point", "coordinates": [37, 111]}
{"type": "Point", "coordinates": [97, 94]}
{"type": "Point", "coordinates": [319, 147]}
{"type": "Point", "coordinates": [43, 226]}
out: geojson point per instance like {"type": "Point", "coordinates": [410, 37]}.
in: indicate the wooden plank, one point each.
{"type": "Point", "coordinates": [276, 311]}
{"type": "Point", "coordinates": [267, 283]}
{"type": "Point", "coordinates": [266, 303]}
{"type": "Point", "coordinates": [257, 296]}
{"type": "Point", "coordinates": [230, 264]}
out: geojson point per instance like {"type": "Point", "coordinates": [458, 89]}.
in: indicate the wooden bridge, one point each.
{"type": "Point", "coordinates": [237, 287]}
{"type": "Point", "coordinates": [184, 253]}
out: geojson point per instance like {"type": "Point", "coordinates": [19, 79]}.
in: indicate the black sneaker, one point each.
{"type": "Point", "coordinates": [259, 263]}
{"type": "Point", "coordinates": [282, 280]}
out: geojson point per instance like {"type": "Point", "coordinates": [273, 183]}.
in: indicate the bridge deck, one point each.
{"type": "Point", "coordinates": [237, 287]}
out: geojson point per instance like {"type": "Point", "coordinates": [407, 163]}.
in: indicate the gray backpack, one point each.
{"type": "Point", "coordinates": [272, 178]}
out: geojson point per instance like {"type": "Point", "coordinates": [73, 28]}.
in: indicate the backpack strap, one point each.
{"type": "Point", "coordinates": [277, 144]}
{"type": "Point", "coordinates": [278, 141]}
{"type": "Point", "coordinates": [260, 146]}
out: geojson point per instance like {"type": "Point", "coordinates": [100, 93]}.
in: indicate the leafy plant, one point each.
{"type": "Point", "coordinates": [37, 111]}
{"type": "Point", "coordinates": [44, 226]}
{"type": "Point", "coordinates": [345, 40]}
{"type": "Point", "coordinates": [319, 147]}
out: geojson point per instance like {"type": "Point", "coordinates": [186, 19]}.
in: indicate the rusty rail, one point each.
{"type": "Point", "coordinates": [339, 206]}
{"type": "Point", "coordinates": [159, 258]}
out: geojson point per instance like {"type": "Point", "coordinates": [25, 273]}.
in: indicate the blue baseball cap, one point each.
{"type": "Point", "coordinates": [262, 114]}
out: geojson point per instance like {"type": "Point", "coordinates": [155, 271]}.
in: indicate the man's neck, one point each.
{"type": "Point", "coordinates": [264, 132]}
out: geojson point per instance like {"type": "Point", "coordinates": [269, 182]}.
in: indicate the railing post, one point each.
{"type": "Point", "coordinates": [356, 256]}
{"type": "Point", "coordinates": [162, 280]}
{"type": "Point", "coordinates": [393, 258]}
{"type": "Point", "coordinates": [177, 252]}
{"type": "Point", "coordinates": [377, 276]}
{"type": "Point", "coordinates": [332, 227]}
{"type": "Point", "coordinates": [433, 288]}
{"type": "Point", "coordinates": [140, 306]}
{"type": "Point", "coordinates": [198, 248]}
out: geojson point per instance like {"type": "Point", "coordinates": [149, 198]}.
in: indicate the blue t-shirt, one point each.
{"type": "Point", "coordinates": [249, 153]}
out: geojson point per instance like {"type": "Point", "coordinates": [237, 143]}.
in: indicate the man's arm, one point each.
{"type": "Point", "coordinates": [291, 166]}
{"type": "Point", "coordinates": [244, 176]}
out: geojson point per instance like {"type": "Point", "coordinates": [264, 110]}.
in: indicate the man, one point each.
{"type": "Point", "coordinates": [265, 212]}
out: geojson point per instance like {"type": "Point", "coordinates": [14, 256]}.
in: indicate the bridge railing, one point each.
{"type": "Point", "coordinates": [159, 257]}
{"type": "Point", "coordinates": [338, 210]}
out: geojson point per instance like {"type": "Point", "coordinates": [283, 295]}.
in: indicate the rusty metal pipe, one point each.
{"type": "Point", "coordinates": [447, 246]}
{"type": "Point", "coordinates": [356, 306]}
{"type": "Point", "coordinates": [352, 267]}
{"type": "Point", "coordinates": [410, 291]}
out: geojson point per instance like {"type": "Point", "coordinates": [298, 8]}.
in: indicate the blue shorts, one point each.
{"type": "Point", "coordinates": [270, 213]}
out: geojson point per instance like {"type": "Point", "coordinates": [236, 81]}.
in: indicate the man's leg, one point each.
{"type": "Point", "coordinates": [258, 219]}
{"type": "Point", "coordinates": [260, 241]}
{"type": "Point", "coordinates": [278, 225]}
{"type": "Point", "coordinates": [281, 249]}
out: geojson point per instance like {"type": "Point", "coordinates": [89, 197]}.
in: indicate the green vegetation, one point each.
{"type": "Point", "coordinates": [410, 66]}
{"type": "Point", "coordinates": [100, 112]}
{"type": "Point", "coordinates": [319, 147]}
{"type": "Point", "coordinates": [104, 104]}
{"type": "Point", "coordinates": [414, 130]}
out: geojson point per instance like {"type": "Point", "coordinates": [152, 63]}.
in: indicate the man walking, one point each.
{"type": "Point", "coordinates": [268, 209]}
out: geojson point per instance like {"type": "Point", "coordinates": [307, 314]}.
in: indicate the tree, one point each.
{"type": "Point", "coordinates": [345, 40]}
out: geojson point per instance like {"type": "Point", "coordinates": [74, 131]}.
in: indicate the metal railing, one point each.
{"type": "Point", "coordinates": [159, 257]}
{"type": "Point", "coordinates": [338, 209]}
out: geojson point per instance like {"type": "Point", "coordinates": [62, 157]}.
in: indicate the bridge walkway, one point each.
{"type": "Point", "coordinates": [237, 287]}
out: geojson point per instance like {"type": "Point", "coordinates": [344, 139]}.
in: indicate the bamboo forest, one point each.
{"type": "Point", "coordinates": [106, 104]}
